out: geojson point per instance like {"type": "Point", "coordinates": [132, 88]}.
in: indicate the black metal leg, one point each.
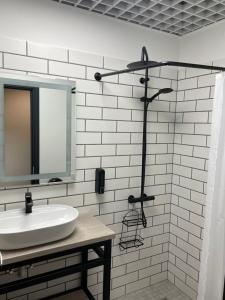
{"type": "Point", "coordinates": [83, 267]}
{"type": "Point", "coordinates": [84, 258]}
{"type": "Point", "coordinates": [107, 270]}
{"type": "Point", "coordinates": [84, 275]}
{"type": "Point", "coordinates": [224, 290]}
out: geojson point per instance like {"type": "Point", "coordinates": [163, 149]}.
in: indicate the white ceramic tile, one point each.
{"type": "Point", "coordinates": [195, 241]}
{"type": "Point", "coordinates": [127, 171]}
{"type": "Point", "coordinates": [87, 86]}
{"type": "Point", "coordinates": [25, 63]}
{"type": "Point", "coordinates": [113, 184]}
{"type": "Point", "coordinates": [206, 80]}
{"type": "Point", "coordinates": [128, 149]}
{"type": "Point", "coordinates": [188, 291]}
{"type": "Point", "coordinates": [195, 117]}
{"type": "Point", "coordinates": [129, 103]}
{"type": "Point", "coordinates": [85, 58]}
{"type": "Point", "coordinates": [157, 83]}
{"type": "Point", "coordinates": [87, 162]}
{"type": "Point", "coordinates": [193, 162]}
{"type": "Point", "coordinates": [116, 114]}
{"type": "Point", "coordinates": [147, 272]}
{"type": "Point", "coordinates": [196, 219]}
{"type": "Point", "coordinates": [49, 52]}
{"type": "Point", "coordinates": [108, 126]}
{"type": "Point", "coordinates": [115, 138]}
{"type": "Point", "coordinates": [197, 94]}
{"type": "Point", "coordinates": [126, 126]}
{"type": "Point", "coordinates": [114, 63]}
{"type": "Point", "coordinates": [187, 84]}
{"type": "Point", "coordinates": [115, 161]}
{"type": "Point", "coordinates": [119, 281]}
{"type": "Point", "coordinates": [199, 174]}
{"type": "Point", "coordinates": [101, 100]}
{"type": "Point", "coordinates": [12, 45]}
{"type": "Point", "coordinates": [194, 185]}
{"type": "Point", "coordinates": [74, 201]}
{"type": "Point", "coordinates": [117, 90]}
{"type": "Point", "coordinates": [179, 232]}
{"type": "Point", "coordinates": [64, 69]}
{"type": "Point", "coordinates": [129, 79]}
{"type": "Point", "coordinates": [188, 248]}
{"type": "Point", "coordinates": [91, 71]}
{"type": "Point", "coordinates": [204, 105]}
{"type": "Point", "coordinates": [184, 128]}
{"type": "Point", "coordinates": [48, 191]}
{"type": "Point", "coordinates": [176, 271]}
{"type": "Point", "coordinates": [14, 195]}
{"type": "Point", "coordinates": [85, 112]}
{"type": "Point", "coordinates": [137, 115]}
{"type": "Point", "coordinates": [188, 226]}
{"type": "Point", "coordinates": [183, 149]}
{"type": "Point", "coordinates": [100, 150]}
{"type": "Point", "coordinates": [181, 170]}
{"type": "Point", "coordinates": [88, 138]}
{"type": "Point", "coordinates": [185, 106]}
{"type": "Point", "coordinates": [179, 211]}
{"type": "Point", "coordinates": [81, 188]}
{"type": "Point", "coordinates": [189, 205]}
{"type": "Point", "coordinates": [178, 252]}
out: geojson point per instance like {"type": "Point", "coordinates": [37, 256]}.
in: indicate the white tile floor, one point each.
{"type": "Point", "coordinates": [164, 290]}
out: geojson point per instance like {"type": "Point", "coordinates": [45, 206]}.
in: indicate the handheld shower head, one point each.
{"type": "Point", "coordinates": [165, 91]}
{"type": "Point", "coordinates": [161, 91]}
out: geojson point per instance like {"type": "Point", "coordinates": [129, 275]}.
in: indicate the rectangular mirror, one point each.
{"type": "Point", "coordinates": [36, 129]}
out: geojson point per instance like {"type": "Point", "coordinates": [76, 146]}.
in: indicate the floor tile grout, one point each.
{"type": "Point", "coordinates": [164, 290]}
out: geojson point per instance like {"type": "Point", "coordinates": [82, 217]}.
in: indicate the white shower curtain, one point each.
{"type": "Point", "coordinates": [212, 268]}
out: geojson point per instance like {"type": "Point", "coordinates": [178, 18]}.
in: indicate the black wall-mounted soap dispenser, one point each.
{"type": "Point", "coordinates": [99, 181]}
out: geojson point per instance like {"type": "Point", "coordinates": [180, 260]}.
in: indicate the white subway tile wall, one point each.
{"type": "Point", "coordinates": [109, 135]}
{"type": "Point", "coordinates": [191, 148]}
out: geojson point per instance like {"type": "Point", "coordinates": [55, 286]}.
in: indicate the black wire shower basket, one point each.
{"type": "Point", "coordinates": [130, 234]}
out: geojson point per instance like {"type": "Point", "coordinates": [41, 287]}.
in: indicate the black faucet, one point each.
{"type": "Point", "coordinates": [28, 203]}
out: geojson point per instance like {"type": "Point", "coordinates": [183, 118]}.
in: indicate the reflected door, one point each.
{"type": "Point", "coordinates": [21, 131]}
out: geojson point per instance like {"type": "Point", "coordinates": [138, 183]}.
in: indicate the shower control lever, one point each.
{"type": "Point", "coordinates": [132, 199]}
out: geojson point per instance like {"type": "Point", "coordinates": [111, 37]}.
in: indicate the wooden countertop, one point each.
{"type": "Point", "coordinates": [88, 230]}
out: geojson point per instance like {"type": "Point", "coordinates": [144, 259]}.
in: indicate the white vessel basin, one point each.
{"type": "Point", "coordinates": [46, 223]}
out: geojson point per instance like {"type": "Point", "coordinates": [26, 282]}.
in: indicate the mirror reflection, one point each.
{"type": "Point", "coordinates": [35, 131]}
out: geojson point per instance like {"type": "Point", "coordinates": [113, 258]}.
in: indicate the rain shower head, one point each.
{"type": "Point", "coordinates": [142, 64]}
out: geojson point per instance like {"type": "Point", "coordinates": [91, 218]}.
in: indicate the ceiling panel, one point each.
{"type": "Point", "coordinates": [172, 16]}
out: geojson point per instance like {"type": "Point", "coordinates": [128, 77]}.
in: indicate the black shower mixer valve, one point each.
{"type": "Point", "coordinates": [132, 199]}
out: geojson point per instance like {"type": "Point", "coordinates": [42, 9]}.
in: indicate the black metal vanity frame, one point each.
{"type": "Point", "coordinates": [102, 249]}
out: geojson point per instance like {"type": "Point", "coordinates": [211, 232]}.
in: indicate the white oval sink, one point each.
{"type": "Point", "coordinates": [46, 223]}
